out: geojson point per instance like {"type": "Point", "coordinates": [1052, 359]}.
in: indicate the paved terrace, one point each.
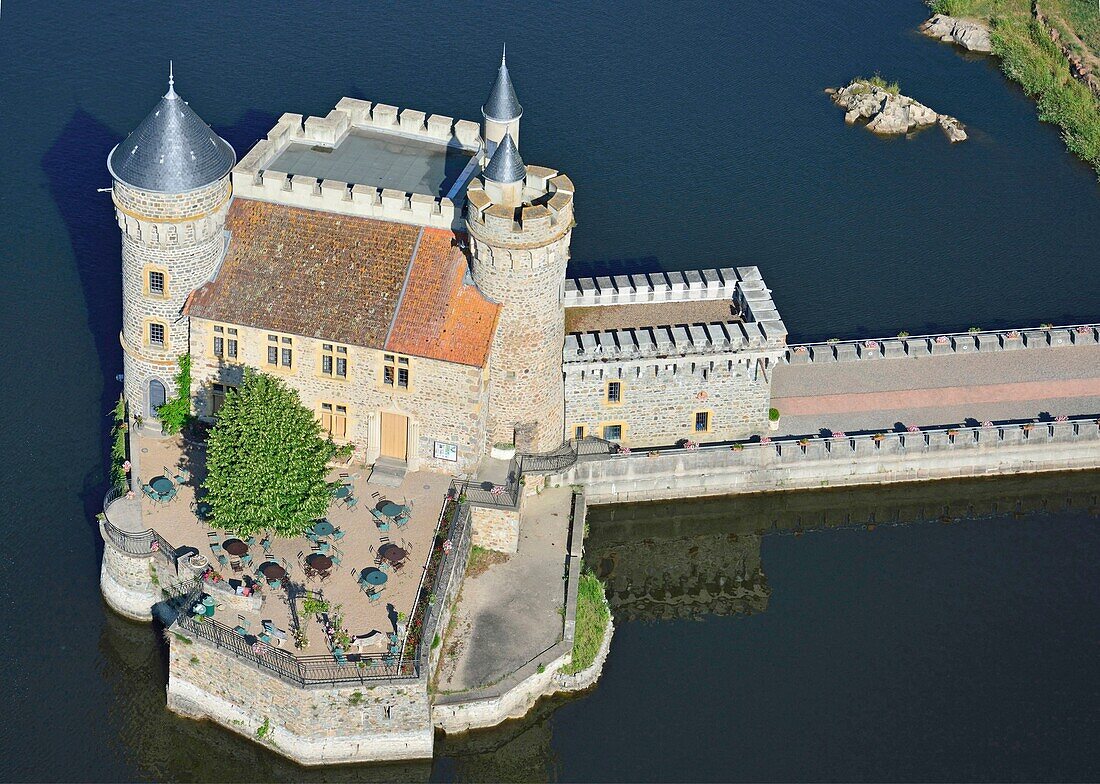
{"type": "Point", "coordinates": [175, 521]}
{"type": "Point", "coordinates": [876, 394]}
{"type": "Point", "coordinates": [512, 613]}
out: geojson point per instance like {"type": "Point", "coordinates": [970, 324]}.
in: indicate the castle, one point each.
{"type": "Point", "coordinates": [406, 274]}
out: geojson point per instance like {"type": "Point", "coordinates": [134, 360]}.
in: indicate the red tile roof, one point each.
{"type": "Point", "coordinates": [350, 280]}
{"type": "Point", "coordinates": [441, 317]}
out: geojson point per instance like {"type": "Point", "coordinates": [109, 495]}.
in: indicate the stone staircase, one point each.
{"type": "Point", "coordinates": [388, 472]}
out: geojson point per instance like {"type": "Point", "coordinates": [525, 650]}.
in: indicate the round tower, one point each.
{"type": "Point", "coordinates": [520, 220]}
{"type": "Point", "coordinates": [171, 190]}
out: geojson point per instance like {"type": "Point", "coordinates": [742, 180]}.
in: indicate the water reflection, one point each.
{"type": "Point", "coordinates": [687, 559]}
{"type": "Point", "coordinates": [661, 561]}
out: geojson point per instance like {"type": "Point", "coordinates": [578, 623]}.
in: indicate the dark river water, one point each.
{"type": "Point", "coordinates": [697, 135]}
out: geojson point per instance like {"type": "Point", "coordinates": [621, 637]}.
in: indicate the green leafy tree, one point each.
{"type": "Point", "coordinates": [118, 443]}
{"type": "Point", "coordinates": [266, 461]}
{"type": "Point", "coordinates": [177, 412]}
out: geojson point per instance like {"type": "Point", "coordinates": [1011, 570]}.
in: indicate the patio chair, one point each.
{"type": "Point", "coordinates": [301, 555]}
{"type": "Point", "coordinates": [351, 502]}
{"type": "Point", "coordinates": [250, 540]}
{"type": "Point", "coordinates": [246, 559]}
{"type": "Point", "coordinates": [401, 521]}
{"type": "Point", "coordinates": [182, 475]}
{"type": "Point", "coordinates": [235, 565]}
{"type": "Point", "coordinates": [212, 536]}
{"type": "Point", "coordinates": [315, 546]}
{"type": "Point", "coordinates": [384, 539]}
{"type": "Point", "coordinates": [398, 566]}
{"type": "Point", "coordinates": [376, 495]}
{"type": "Point", "coordinates": [336, 560]}
{"type": "Point", "coordinates": [338, 534]}
{"type": "Point", "coordinates": [222, 560]}
{"type": "Point", "coordinates": [275, 583]}
{"type": "Point", "coordinates": [265, 543]}
{"type": "Point", "coordinates": [340, 657]}
{"type": "Point", "coordinates": [150, 492]}
{"type": "Point", "coordinates": [373, 596]}
{"type": "Point", "coordinates": [324, 547]}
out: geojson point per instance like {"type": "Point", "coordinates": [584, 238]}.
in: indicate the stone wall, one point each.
{"type": "Point", "coordinates": [444, 402]}
{"type": "Point", "coordinates": [919, 346]}
{"type": "Point", "coordinates": [495, 529]}
{"type": "Point", "coordinates": [179, 235]}
{"type": "Point", "coordinates": [660, 398]}
{"type": "Point", "coordinates": [126, 582]}
{"type": "Point", "coordinates": [313, 726]}
{"type": "Point", "coordinates": [521, 264]}
{"type": "Point", "coordinates": [837, 462]}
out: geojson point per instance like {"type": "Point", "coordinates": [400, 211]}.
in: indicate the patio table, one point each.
{"type": "Point", "coordinates": [374, 576]}
{"type": "Point", "coordinates": [235, 547]}
{"type": "Point", "coordinates": [341, 492]}
{"type": "Point", "coordinates": [323, 528]}
{"type": "Point", "coordinates": [322, 563]}
{"type": "Point", "coordinates": [162, 485]}
{"type": "Point", "coordinates": [272, 571]}
{"type": "Point", "coordinates": [391, 509]}
{"type": "Point", "coordinates": [392, 553]}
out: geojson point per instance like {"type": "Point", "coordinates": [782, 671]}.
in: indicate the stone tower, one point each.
{"type": "Point", "coordinates": [171, 191]}
{"type": "Point", "coordinates": [520, 220]}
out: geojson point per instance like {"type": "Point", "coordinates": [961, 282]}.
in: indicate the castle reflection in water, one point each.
{"type": "Point", "coordinates": [661, 561]}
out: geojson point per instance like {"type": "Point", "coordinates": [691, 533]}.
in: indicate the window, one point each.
{"type": "Point", "coordinates": [613, 432]}
{"type": "Point", "coordinates": [334, 420]}
{"type": "Point", "coordinates": [334, 360]}
{"type": "Point", "coordinates": [156, 283]}
{"type": "Point", "coordinates": [578, 432]}
{"type": "Point", "coordinates": [395, 371]}
{"type": "Point", "coordinates": [702, 421]}
{"type": "Point", "coordinates": [225, 342]}
{"type": "Point", "coordinates": [156, 334]}
{"type": "Point", "coordinates": [280, 352]}
{"type": "Point", "coordinates": [614, 392]}
{"type": "Point", "coordinates": [217, 397]}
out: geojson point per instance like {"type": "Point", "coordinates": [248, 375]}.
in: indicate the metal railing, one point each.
{"type": "Point", "coordinates": [507, 495]}
{"type": "Point", "coordinates": [314, 670]}
{"type": "Point", "coordinates": [144, 543]}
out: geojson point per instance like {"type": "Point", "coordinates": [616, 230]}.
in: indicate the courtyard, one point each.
{"type": "Point", "coordinates": [346, 588]}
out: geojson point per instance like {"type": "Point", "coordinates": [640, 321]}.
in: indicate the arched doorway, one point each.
{"type": "Point", "coordinates": [157, 397]}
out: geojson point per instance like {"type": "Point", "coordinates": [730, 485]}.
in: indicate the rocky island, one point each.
{"type": "Point", "coordinates": [889, 112]}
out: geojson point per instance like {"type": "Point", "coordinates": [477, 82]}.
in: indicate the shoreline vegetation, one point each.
{"type": "Point", "coordinates": [1029, 57]}
{"type": "Point", "coordinates": [593, 614]}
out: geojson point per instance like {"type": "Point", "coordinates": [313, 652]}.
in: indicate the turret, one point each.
{"type": "Point", "coordinates": [520, 220]}
{"type": "Point", "coordinates": [501, 112]}
{"type": "Point", "coordinates": [171, 191]}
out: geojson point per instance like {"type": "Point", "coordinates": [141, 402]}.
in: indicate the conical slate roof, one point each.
{"type": "Point", "coordinates": [172, 151]}
{"type": "Point", "coordinates": [502, 104]}
{"type": "Point", "coordinates": [505, 166]}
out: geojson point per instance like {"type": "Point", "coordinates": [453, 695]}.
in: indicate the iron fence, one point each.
{"type": "Point", "coordinates": [315, 670]}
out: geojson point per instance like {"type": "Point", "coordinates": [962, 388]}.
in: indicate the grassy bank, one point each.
{"type": "Point", "coordinates": [592, 617]}
{"type": "Point", "coordinates": [1029, 57]}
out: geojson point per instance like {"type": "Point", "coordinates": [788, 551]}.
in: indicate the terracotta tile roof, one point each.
{"type": "Point", "coordinates": [317, 274]}
{"type": "Point", "coordinates": [440, 316]}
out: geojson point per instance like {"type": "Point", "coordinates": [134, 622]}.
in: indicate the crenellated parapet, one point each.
{"type": "Point", "coordinates": [545, 215]}
{"type": "Point", "coordinates": [756, 327]}
{"type": "Point", "coordinates": [253, 179]}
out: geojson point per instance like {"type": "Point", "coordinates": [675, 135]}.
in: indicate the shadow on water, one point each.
{"type": "Point", "coordinates": [74, 165]}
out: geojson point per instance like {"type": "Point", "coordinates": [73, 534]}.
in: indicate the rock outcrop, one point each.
{"type": "Point", "coordinates": [971, 34]}
{"type": "Point", "coordinates": [889, 112]}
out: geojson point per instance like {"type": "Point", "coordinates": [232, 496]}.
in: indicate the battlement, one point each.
{"type": "Point", "coordinates": [298, 162]}
{"type": "Point", "coordinates": [545, 214]}
{"type": "Point", "coordinates": [758, 329]}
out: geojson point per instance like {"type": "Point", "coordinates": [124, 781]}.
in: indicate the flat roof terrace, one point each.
{"type": "Point", "coordinates": [596, 318]}
{"type": "Point", "coordinates": [383, 159]}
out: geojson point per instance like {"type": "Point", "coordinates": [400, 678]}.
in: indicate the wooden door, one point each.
{"type": "Point", "coordinates": [395, 436]}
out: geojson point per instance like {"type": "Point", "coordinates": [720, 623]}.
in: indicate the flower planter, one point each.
{"type": "Point", "coordinates": [773, 424]}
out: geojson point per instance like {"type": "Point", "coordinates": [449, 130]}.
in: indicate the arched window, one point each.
{"type": "Point", "coordinates": [157, 397]}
